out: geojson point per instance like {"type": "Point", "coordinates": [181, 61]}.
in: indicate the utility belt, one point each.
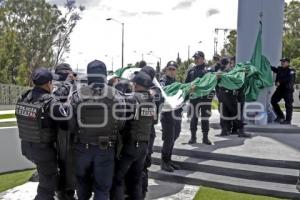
{"type": "Point", "coordinates": [233, 92]}
{"type": "Point", "coordinates": [136, 143]}
{"type": "Point", "coordinates": [102, 141]}
{"type": "Point", "coordinates": [38, 145]}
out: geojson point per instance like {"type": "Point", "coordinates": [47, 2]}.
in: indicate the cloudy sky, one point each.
{"type": "Point", "coordinates": [164, 27]}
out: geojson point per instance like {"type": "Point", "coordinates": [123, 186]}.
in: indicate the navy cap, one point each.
{"type": "Point", "coordinates": [149, 70]}
{"type": "Point", "coordinates": [172, 64]}
{"type": "Point", "coordinates": [285, 59]}
{"type": "Point", "coordinates": [142, 64]}
{"type": "Point", "coordinates": [199, 54]}
{"type": "Point", "coordinates": [62, 71]}
{"type": "Point", "coordinates": [216, 57]}
{"type": "Point", "coordinates": [95, 68]}
{"type": "Point", "coordinates": [41, 76]}
{"type": "Point", "coordinates": [62, 68]}
{"type": "Point", "coordinates": [143, 79]}
{"type": "Point", "coordinates": [224, 61]}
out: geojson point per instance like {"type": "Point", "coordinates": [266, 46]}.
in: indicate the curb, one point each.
{"type": "Point", "coordinates": [272, 128]}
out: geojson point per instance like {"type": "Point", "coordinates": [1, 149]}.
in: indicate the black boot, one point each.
{"type": "Point", "coordinates": [286, 122]}
{"type": "Point", "coordinates": [241, 133]}
{"type": "Point", "coordinates": [234, 132]}
{"type": "Point", "coordinates": [65, 195]}
{"type": "Point", "coordinates": [279, 120]}
{"type": "Point", "coordinates": [205, 139]}
{"type": "Point", "coordinates": [165, 165]}
{"type": "Point", "coordinates": [298, 184]}
{"type": "Point", "coordinates": [174, 166]}
{"type": "Point", "coordinates": [193, 139]}
{"type": "Point", "coordinates": [224, 133]}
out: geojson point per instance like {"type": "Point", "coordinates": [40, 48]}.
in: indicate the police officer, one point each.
{"type": "Point", "coordinates": [135, 138]}
{"type": "Point", "coordinates": [37, 130]}
{"type": "Point", "coordinates": [201, 104]}
{"type": "Point", "coordinates": [155, 93]}
{"type": "Point", "coordinates": [97, 133]}
{"type": "Point", "coordinates": [64, 85]}
{"type": "Point", "coordinates": [142, 64]}
{"type": "Point", "coordinates": [156, 96]}
{"type": "Point", "coordinates": [232, 62]}
{"type": "Point", "coordinates": [222, 67]}
{"type": "Point", "coordinates": [230, 108]}
{"type": "Point", "coordinates": [217, 62]}
{"type": "Point", "coordinates": [170, 122]}
{"type": "Point", "coordinates": [285, 80]}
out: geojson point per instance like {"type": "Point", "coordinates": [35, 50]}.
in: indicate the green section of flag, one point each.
{"type": "Point", "coordinates": [263, 78]}
{"type": "Point", "coordinates": [119, 72]}
{"type": "Point", "coordinates": [203, 86]}
{"type": "Point", "coordinates": [232, 80]}
{"type": "Point", "coordinates": [254, 76]}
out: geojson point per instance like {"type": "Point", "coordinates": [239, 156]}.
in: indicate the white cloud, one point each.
{"type": "Point", "coordinates": [152, 26]}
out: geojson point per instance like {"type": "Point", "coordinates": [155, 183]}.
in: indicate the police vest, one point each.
{"type": "Point", "coordinates": [33, 119]}
{"type": "Point", "coordinates": [141, 124]}
{"type": "Point", "coordinates": [96, 115]}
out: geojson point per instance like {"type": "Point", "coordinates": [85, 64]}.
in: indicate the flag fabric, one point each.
{"type": "Point", "coordinates": [254, 76]}
{"type": "Point", "coordinates": [261, 79]}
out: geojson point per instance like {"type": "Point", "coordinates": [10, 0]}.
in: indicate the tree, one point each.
{"type": "Point", "coordinates": [66, 26]}
{"type": "Point", "coordinates": [183, 69]}
{"type": "Point", "coordinates": [296, 64]}
{"type": "Point", "coordinates": [178, 59]}
{"type": "Point", "coordinates": [38, 35]}
{"type": "Point", "coordinates": [230, 47]}
{"type": "Point", "coordinates": [291, 39]}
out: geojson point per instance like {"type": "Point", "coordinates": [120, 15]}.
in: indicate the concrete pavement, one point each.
{"type": "Point", "coordinates": [159, 190]}
{"type": "Point", "coordinates": [280, 146]}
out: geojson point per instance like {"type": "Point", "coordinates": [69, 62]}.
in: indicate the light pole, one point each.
{"type": "Point", "coordinates": [151, 53]}
{"type": "Point", "coordinates": [122, 23]}
{"type": "Point", "coordinates": [142, 54]}
{"type": "Point", "coordinates": [112, 62]}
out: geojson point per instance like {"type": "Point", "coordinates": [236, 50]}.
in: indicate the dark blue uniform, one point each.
{"type": "Point", "coordinates": [43, 155]}
{"type": "Point", "coordinates": [63, 89]}
{"type": "Point", "coordinates": [221, 97]}
{"type": "Point", "coordinates": [201, 104]}
{"type": "Point", "coordinates": [285, 80]}
{"type": "Point", "coordinates": [65, 138]}
{"type": "Point", "coordinates": [36, 112]}
{"type": "Point", "coordinates": [171, 128]}
{"type": "Point", "coordinates": [96, 134]}
{"type": "Point", "coordinates": [135, 136]}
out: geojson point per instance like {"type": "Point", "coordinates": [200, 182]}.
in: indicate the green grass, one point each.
{"type": "Point", "coordinates": [205, 193]}
{"type": "Point", "coordinates": [7, 116]}
{"type": "Point", "coordinates": [8, 124]}
{"type": "Point", "coordinates": [11, 180]}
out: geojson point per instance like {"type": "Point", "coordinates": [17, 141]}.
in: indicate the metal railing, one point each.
{"type": "Point", "coordinates": [9, 94]}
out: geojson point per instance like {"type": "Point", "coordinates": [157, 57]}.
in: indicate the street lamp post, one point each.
{"type": "Point", "coordinates": [122, 23]}
{"type": "Point", "coordinates": [151, 53]}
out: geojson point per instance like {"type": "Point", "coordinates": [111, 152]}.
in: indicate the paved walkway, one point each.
{"type": "Point", "coordinates": [157, 190]}
{"type": "Point", "coordinates": [277, 146]}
